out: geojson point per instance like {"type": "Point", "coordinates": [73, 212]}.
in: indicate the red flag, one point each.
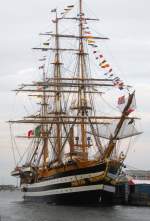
{"type": "Point", "coordinates": [130, 110]}
{"type": "Point", "coordinates": [121, 100]}
{"type": "Point", "coordinates": [87, 32]}
{"type": "Point", "coordinates": [30, 133]}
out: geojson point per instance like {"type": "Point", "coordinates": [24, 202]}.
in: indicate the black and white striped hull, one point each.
{"type": "Point", "coordinates": [61, 189]}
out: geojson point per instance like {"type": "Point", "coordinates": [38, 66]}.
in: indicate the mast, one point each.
{"type": "Point", "coordinates": [82, 96]}
{"type": "Point", "coordinates": [112, 142]}
{"type": "Point", "coordinates": [44, 127]}
{"type": "Point", "coordinates": [57, 99]}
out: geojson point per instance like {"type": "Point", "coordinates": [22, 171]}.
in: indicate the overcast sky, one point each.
{"type": "Point", "coordinates": [127, 24]}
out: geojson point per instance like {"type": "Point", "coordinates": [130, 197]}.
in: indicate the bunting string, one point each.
{"type": "Point", "coordinates": [102, 62]}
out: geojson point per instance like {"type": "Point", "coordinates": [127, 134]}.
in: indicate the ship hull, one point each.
{"type": "Point", "coordinates": [82, 186]}
{"type": "Point", "coordinates": [95, 197]}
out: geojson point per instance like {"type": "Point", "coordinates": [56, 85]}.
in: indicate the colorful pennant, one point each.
{"type": "Point", "coordinates": [42, 59]}
{"type": "Point", "coordinates": [54, 10]}
{"type": "Point", "coordinates": [105, 66]}
{"type": "Point", "coordinates": [70, 6]}
{"type": "Point", "coordinates": [54, 21]}
{"type": "Point", "coordinates": [67, 9]}
{"type": "Point", "coordinates": [131, 121]}
{"type": "Point", "coordinates": [46, 44]}
{"type": "Point", "coordinates": [41, 67]}
{"type": "Point", "coordinates": [91, 42]}
{"type": "Point", "coordinates": [121, 100]}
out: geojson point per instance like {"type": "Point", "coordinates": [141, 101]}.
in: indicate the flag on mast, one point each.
{"type": "Point", "coordinates": [121, 100]}
{"type": "Point", "coordinates": [54, 10]}
{"type": "Point", "coordinates": [70, 6]}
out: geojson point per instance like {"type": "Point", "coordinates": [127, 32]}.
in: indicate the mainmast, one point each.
{"type": "Point", "coordinates": [82, 101]}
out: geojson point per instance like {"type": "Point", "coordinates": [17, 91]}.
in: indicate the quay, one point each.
{"type": "Point", "coordinates": [134, 189]}
{"type": "Point", "coordinates": [7, 187]}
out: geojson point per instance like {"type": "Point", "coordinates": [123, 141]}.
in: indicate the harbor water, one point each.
{"type": "Point", "coordinates": [13, 208]}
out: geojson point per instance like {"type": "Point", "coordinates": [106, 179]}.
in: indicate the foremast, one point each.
{"type": "Point", "coordinates": [57, 96]}
{"type": "Point", "coordinates": [45, 126]}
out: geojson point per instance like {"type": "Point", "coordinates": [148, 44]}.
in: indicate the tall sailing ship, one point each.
{"type": "Point", "coordinates": [78, 139]}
